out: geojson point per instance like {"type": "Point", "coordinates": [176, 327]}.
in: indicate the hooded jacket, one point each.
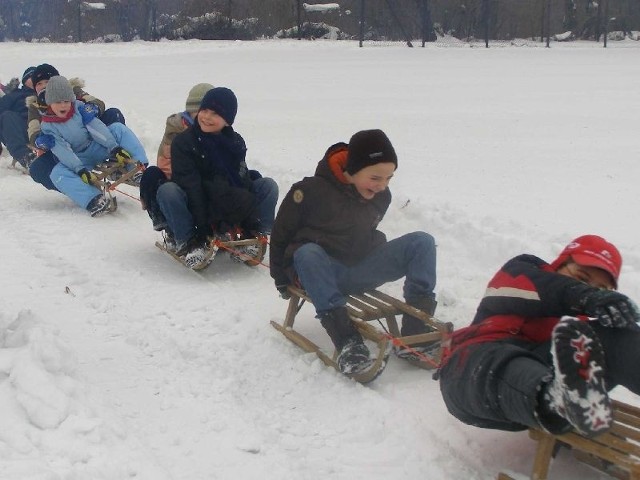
{"type": "Point", "coordinates": [523, 302]}
{"type": "Point", "coordinates": [327, 210]}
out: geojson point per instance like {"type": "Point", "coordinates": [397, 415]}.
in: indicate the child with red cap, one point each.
{"type": "Point", "coordinates": [546, 345]}
{"type": "Point", "coordinates": [326, 238]}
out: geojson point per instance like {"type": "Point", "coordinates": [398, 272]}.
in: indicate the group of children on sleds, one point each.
{"type": "Point", "coordinates": [547, 343]}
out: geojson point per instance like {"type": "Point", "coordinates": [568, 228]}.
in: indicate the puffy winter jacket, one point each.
{"type": "Point", "coordinates": [523, 301]}
{"type": "Point", "coordinates": [327, 210]}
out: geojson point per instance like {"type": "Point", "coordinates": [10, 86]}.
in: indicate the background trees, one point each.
{"type": "Point", "coordinates": [124, 20]}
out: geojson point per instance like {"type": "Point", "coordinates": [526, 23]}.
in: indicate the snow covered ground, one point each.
{"type": "Point", "coordinates": [116, 362]}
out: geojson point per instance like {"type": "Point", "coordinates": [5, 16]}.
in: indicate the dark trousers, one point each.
{"type": "Point", "coordinates": [497, 384]}
{"type": "Point", "coordinates": [13, 133]}
{"type": "Point", "coordinates": [151, 180]}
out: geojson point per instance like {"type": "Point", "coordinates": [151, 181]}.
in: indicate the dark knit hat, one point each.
{"type": "Point", "coordinates": [222, 101]}
{"type": "Point", "coordinates": [43, 72]}
{"type": "Point", "coordinates": [369, 147]}
{"type": "Point", "coordinates": [27, 74]}
{"type": "Point", "coordinates": [195, 96]}
{"type": "Point", "coordinates": [58, 90]}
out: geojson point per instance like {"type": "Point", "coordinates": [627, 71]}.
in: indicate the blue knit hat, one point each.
{"type": "Point", "coordinates": [27, 74]}
{"type": "Point", "coordinates": [222, 101]}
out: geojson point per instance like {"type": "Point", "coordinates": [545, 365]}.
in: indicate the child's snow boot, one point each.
{"type": "Point", "coordinates": [101, 205]}
{"type": "Point", "coordinates": [353, 354]}
{"type": "Point", "coordinates": [414, 326]}
{"type": "Point", "coordinates": [578, 391]}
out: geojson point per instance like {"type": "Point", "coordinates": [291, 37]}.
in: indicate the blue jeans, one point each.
{"type": "Point", "coordinates": [328, 281]}
{"type": "Point", "coordinates": [174, 206]}
{"type": "Point", "coordinates": [266, 193]}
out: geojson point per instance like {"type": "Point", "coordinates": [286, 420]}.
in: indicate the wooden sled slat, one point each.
{"type": "Point", "coordinates": [615, 452]}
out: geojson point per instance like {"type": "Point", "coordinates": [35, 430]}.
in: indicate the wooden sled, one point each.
{"type": "Point", "coordinates": [232, 246]}
{"type": "Point", "coordinates": [615, 453]}
{"type": "Point", "coordinates": [370, 306]}
{"type": "Point", "coordinates": [111, 174]}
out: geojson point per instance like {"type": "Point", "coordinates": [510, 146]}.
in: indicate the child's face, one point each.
{"type": "Point", "coordinates": [38, 87]}
{"type": "Point", "coordinates": [592, 276]}
{"type": "Point", "coordinates": [210, 121]}
{"type": "Point", "coordinates": [373, 179]}
{"type": "Point", "coordinates": [61, 109]}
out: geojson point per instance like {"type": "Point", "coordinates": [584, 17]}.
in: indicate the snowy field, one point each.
{"type": "Point", "coordinates": [117, 363]}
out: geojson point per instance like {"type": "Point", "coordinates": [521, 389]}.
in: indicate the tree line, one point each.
{"type": "Point", "coordinates": [390, 20]}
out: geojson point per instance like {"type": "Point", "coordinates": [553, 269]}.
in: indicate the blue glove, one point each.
{"type": "Point", "coordinates": [88, 112]}
{"type": "Point", "coordinates": [45, 141]}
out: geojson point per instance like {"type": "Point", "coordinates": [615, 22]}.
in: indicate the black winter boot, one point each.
{"type": "Point", "coordinates": [353, 354]}
{"type": "Point", "coordinates": [578, 391]}
{"type": "Point", "coordinates": [414, 326]}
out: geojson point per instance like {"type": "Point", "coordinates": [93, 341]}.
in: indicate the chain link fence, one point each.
{"type": "Point", "coordinates": [446, 22]}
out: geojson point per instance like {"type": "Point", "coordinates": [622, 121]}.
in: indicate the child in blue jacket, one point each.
{"type": "Point", "coordinates": [71, 130]}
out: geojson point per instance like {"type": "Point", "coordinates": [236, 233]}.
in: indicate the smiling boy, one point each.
{"type": "Point", "coordinates": [325, 236]}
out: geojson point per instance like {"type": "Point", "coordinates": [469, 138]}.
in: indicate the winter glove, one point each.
{"type": "Point", "coordinates": [284, 293]}
{"type": "Point", "coordinates": [13, 84]}
{"type": "Point", "coordinates": [45, 141]}
{"type": "Point", "coordinates": [88, 112]}
{"type": "Point", "coordinates": [120, 155]}
{"type": "Point", "coordinates": [87, 176]}
{"type": "Point", "coordinates": [612, 309]}
{"type": "Point", "coordinates": [254, 174]}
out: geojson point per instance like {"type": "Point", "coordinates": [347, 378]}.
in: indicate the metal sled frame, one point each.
{"type": "Point", "coordinates": [369, 306]}
{"type": "Point", "coordinates": [615, 453]}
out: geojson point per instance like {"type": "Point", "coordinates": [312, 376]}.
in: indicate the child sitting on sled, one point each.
{"type": "Point", "coordinates": [40, 166]}
{"type": "Point", "coordinates": [325, 236]}
{"type": "Point", "coordinates": [80, 141]}
{"type": "Point", "coordinates": [547, 343]}
{"type": "Point", "coordinates": [213, 191]}
{"type": "Point", "coordinates": [155, 176]}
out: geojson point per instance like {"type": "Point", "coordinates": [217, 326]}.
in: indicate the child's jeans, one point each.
{"type": "Point", "coordinates": [328, 281]}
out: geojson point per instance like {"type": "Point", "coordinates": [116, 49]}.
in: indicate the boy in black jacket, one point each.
{"type": "Point", "coordinates": [217, 190]}
{"type": "Point", "coordinates": [325, 235]}
{"type": "Point", "coordinates": [547, 343]}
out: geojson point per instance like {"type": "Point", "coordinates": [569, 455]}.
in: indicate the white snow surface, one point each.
{"type": "Point", "coordinates": [118, 363]}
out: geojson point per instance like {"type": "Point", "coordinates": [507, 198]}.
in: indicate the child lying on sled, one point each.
{"type": "Point", "coordinates": [212, 191]}
{"type": "Point", "coordinates": [546, 345]}
{"type": "Point", "coordinates": [325, 235]}
{"type": "Point", "coordinates": [80, 141]}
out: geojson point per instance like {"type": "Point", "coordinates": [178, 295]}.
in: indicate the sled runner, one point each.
{"type": "Point", "coordinates": [249, 251]}
{"type": "Point", "coordinates": [615, 453]}
{"type": "Point", "coordinates": [364, 308]}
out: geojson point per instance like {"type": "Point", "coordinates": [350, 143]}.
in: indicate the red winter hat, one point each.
{"type": "Point", "coordinates": [592, 251]}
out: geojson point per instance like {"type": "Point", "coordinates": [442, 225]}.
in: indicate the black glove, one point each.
{"type": "Point", "coordinates": [284, 293]}
{"type": "Point", "coordinates": [120, 155]}
{"type": "Point", "coordinates": [611, 308]}
{"type": "Point", "coordinates": [87, 176]}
